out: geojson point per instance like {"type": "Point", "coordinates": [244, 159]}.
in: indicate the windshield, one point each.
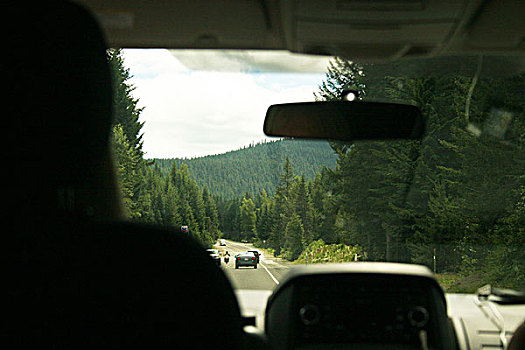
{"type": "Point", "coordinates": [191, 156]}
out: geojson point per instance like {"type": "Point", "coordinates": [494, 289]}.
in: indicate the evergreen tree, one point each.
{"type": "Point", "coordinates": [281, 210]}
{"type": "Point", "coordinates": [125, 107]}
{"type": "Point", "coordinates": [294, 237]}
{"type": "Point", "coordinates": [126, 114]}
{"type": "Point", "coordinates": [342, 74]}
{"type": "Point", "coordinates": [248, 218]}
{"type": "Point", "coordinates": [126, 160]}
{"type": "Point", "coordinates": [302, 207]}
{"type": "Point", "coordinates": [253, 169]}
{"type": "Point", "coordinates": [211, 215]}
{"type": "Point", "coordinates": [397, 200]}
{"type": "Point", "coordinates": [263, 224]}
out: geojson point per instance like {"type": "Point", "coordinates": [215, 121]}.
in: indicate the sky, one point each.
{"type": "Point", "coordinates": [199, 103]}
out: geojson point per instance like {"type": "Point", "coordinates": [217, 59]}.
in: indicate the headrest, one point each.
{"type": "Point", "coordinates": [59, 99]}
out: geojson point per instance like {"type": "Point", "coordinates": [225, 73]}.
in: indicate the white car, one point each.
{"type": "Point", "coordinates": [214, 254]}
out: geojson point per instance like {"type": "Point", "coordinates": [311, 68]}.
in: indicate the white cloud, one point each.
{"type": "Point", "coordinates": [148, 63]}
{"type": "Point", "coordinates": [196, 113]}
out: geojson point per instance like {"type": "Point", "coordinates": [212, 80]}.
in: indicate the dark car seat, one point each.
{"type": "Point", "coordinates": [74, 275]}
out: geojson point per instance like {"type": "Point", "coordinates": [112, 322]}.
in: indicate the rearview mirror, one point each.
{"type": "Point", "coordinates": [344, 121]}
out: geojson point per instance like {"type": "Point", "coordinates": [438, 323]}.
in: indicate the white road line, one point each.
{"type": "Point", "coordinates": [272, 276]}
{"type": "Point", "coordinates": [260, 263]}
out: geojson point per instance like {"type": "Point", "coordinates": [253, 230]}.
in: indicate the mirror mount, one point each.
{"type": "Point", "coordinates": [350, 95]}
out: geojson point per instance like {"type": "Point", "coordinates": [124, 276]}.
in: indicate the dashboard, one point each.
{"type": "Point", "coordinates": [359, 306]}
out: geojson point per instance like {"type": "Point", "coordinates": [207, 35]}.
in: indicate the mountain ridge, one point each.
{"type": "Point", "coordinates": [254, 167]}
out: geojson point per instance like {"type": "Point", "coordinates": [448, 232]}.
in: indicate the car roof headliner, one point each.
{"type": "Point", "coordinates": [373, 30]}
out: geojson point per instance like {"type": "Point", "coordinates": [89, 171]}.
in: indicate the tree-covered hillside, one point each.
{"type": "Point", "coordinates": [256, 167]}
{"type": "Point", "coordinates": [454, 200]}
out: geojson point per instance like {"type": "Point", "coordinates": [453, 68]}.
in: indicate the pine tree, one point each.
{"type": "Point", "coordinates": [126, 115]}
{"type": "Point", "coordinates": [210, 214]}
{"type": "Point", "coordinates": [126, 160]}
{"type": "Point", "coordinates": [125, 106]}
{"type": "Point", "coordinates": [302, 207]}
{"type": "Point", "coordinates": [248, 218]}
{"type": "Point", "coordinates": [342, 74]}
{"type": "Point", "coordinates": [294, 236]}
{"type": "Point", "coordinates": [263, 217]}
{"type": "Point", "coordinates": [281, 209]}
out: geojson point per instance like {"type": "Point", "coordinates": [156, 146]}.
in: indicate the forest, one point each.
{"type": "Point", "coordinates": [255, 167]}
{"type": "Point", "coordinates": [457, 195]}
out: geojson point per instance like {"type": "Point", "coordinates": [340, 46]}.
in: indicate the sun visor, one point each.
{"type": "Point", "coordinates": [372, 30]}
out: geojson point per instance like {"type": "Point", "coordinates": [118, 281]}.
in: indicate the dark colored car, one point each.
{"type": "Point", "coordinates": [245, 259]}
{"type": "Point", "coordinates": [257, 255]}
{"type": "Point", "coordinates": [214, 254]}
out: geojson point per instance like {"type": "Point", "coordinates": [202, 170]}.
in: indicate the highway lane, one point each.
{"type": "Point", "coordinates": [268, 274]}
{"type": "Point", "coordinates": [252, 286]}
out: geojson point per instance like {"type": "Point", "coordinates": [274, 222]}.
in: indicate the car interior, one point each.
{"type": "Point", "coordinates": [77, 275]}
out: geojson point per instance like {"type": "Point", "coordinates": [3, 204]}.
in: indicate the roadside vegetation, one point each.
{"type": "Point", "coordinates": [460, 283]}
{"type": "Point", "coordinates": [318, 252]}
{"type": "Point", "coordinates": [453, 201]}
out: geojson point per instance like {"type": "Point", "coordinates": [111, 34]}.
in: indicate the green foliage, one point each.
{"type": "Point", "coordinates": [127, 140]}
{"type": "Point", "coordinates": [256, 167]}
{"type": "Point", "coordinates": [459, 192]}
{"type": "Point", "coordinates": [247, 220]}
{"type": "Point", "coordinates": [342, 75]}
{"type": "Point", "coordinates": [454, 193]}
{"type": "Point", "coordinates": [293, 238]}
{"type": "Point", "coordinates": [320, 252]}
{"type": "Point", "coordinates": [504, 262]}
{"type": "Point", "coordinates": [171, 198]}
{"type": "Point", "coordinates": [125, 110]}
{"type": "Point", "coordinates": [450, 192]}
{"type": "Point", "coordinates": [126, 164]}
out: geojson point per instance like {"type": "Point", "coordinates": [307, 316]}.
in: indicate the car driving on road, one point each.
{"type": "Point", "coordinates": [214, 254]}
{"type": "Point", "coordinates": [245, 259]}
{"type": "Point", "coordinates": [257, 255]}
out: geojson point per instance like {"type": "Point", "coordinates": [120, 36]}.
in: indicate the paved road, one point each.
{"type": "Point", "coordinates": [268, 274]}
{"type": "Point", "coordinates": [253, 286]}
